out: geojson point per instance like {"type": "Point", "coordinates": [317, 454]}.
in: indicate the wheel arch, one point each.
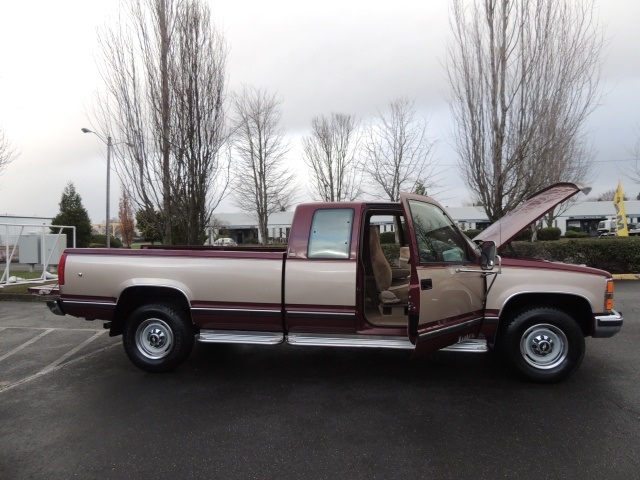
{"type": "Point", "coordinates": [576, 306]}
{"type": "Point", "coordinates": [136, 296]}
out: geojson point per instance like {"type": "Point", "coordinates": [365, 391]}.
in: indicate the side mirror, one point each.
{"type": "Point", "coordinates": [487, 255]}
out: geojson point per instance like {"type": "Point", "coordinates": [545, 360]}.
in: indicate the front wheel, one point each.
{"type": "Point", "coordinates": [544, 344]}
{"type": "Point", "coordinates": [158, 338]}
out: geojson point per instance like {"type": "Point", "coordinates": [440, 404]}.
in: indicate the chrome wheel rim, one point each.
{"type": "Point", "coordinates": [154, 338]}
{"type": "Point", "coordinates": [544, 346]}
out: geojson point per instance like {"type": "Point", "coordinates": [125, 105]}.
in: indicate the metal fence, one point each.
{"type": "Point", "coordinates": [50, 241]}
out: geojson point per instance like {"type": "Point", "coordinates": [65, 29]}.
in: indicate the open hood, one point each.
{"type": "Point", "coordinates": [514, 222]}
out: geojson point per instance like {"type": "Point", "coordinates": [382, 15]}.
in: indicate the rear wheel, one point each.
{"type": "Point", "coordinates": [158, 338]}
{"type": "Point", "coordinates": [544, 344]}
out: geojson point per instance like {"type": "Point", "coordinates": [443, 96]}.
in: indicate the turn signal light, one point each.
{"type": "Point", "coordinates": [608, 304]}
{"type": "Point", "coordinates": [610, 287]}
{"type": "Point", "coordinates": [608, 297]}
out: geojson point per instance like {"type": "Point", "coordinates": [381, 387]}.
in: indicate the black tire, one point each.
{"type": "Point", "coordinates": [543, 344]}
{"type": "Point", "coordinates": [158, 338]}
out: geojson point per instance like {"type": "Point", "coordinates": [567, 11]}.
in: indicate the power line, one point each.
{"type": "Point", "coordinates": [617, 160]}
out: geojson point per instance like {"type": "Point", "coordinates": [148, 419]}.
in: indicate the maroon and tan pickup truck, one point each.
{"type": "Point", "coordinates": [334, 285]}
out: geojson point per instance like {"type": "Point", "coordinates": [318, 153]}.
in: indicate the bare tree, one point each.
{"type": "Point", "coordinates": [262, 184]}
{"type": "Point", "coordinates": [570, 161]}
{"type": "Point", "coordinates": [525, 75]}
{"type": "Point", "coordinates": [330, 153]}
{"type": "Point", "coordinates": [8, 152]}
{"type": "Point", "coordinates": [164, 67]}
{"type": "Point", "coordinates": [199, 124]}
{"type": "Point", "coordinates": [609, 195]}
{"type": "Point", "coordinates": [125, 214]}
{"type": "Point", "coordinates": [396, 151]}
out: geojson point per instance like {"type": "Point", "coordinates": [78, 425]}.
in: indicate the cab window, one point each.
{"type": "Point", "coordinates": [330, 235]}
{"type": "Point", "coordinates": [437, 238]}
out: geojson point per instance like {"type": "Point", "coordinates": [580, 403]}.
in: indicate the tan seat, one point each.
{"type": "Point", "coordinates": [381, 269]}
{"type": "Point", "coordinates": [405, 256]}
{"type": "Point", "coordinates": [379, 264]}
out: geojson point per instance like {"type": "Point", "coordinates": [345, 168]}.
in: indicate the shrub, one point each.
{"type": "Point", "coordinates": [472, 232]}
{"type": "Point", "coordinates": [387, 237]}
{"type": "Point", "coordinates": [525, 236]}
{"type": "Point", "coordinates": [391, 252]}
{"type": "Point", "coordinates": [250, 241]}
{"type": "Point", "coordinates": [613, 254]}
{"type": "Point", "coordinates": [576, 234]}
{"type": "Point", "coordinates": [100, 241]}
{"type": "Point", "coordinates": [549, 233]}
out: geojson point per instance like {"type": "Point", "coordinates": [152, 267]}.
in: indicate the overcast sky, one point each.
{"type": "Point", "coordinates": [332, 56]}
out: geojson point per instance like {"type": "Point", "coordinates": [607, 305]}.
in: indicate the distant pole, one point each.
{"type": "Point", "coordinates": [108, 223]}
{"type": "Point", "coordinates": [110, 145]}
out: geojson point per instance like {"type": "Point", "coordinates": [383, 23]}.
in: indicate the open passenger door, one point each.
{"type": "Point", "coordinates": [447, 288]}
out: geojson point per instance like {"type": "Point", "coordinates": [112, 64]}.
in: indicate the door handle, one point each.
{"type": "Point", "coordinates": [426, 284]}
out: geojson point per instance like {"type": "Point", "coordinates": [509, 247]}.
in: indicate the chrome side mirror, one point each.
{"type": "Point", "coordinates": [487, 255]}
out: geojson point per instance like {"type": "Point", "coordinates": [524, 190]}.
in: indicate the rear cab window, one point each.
{"type": "Point", "coordinates": [330, 235]}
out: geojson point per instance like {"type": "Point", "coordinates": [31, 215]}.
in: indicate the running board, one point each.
{"type": "Point", "coordinates": [238, 336]}
{"type": "Point", "coordinates": [473, 345]}
{"type": "Point", "coordinates": [324, 340]}
{"type": "Point", "coordinates": [371, 341]}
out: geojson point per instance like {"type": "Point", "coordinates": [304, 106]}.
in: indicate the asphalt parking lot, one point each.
{"type": "Point", "coordinates": [73, 406]}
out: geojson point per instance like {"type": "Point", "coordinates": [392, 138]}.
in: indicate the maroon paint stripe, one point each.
{"type": "Point", "coordinates": [87, 298]}
{"type": "Point", "coordinates": [320, 308]}
{"type": "Point", "coordinates": [451, 322]}
{"type": "Point", "coordinates": [235, 305]}
{"type": "Point", "coordinates": [540, 265]}
{"type": "Point", "coordinates": [251, 255]}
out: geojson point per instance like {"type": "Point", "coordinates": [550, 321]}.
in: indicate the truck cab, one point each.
{"type": "Point", "coordinates": [607, 227]}
{"type": "Point", "coordinates": [357, 291]}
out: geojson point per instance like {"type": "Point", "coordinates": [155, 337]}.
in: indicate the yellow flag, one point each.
{"type": "Point", "coordinates": [621, 217]}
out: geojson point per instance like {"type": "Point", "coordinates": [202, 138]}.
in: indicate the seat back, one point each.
{"type": "Point", "coordinates": [405, 256]}
{"type": "Point", "coordinates": [379, 264]}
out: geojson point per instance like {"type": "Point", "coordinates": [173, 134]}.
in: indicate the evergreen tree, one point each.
{"type": "Point", "coordinates": [149, 224]}
{"type": "Point", "coordinates": [420, 188]}
{"type": "Point", "coordinates": [73, 213]}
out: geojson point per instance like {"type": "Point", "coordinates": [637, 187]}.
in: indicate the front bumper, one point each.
{"type": "Point", "coordinates": [607, 325]}
{"type": "Point", "coordinates": [56, 307]}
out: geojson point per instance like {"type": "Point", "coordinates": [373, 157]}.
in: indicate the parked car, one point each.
{"type": "Point", "coordinates": [225, 242]}
{"type": "Point", "coordinates": [608, 228]}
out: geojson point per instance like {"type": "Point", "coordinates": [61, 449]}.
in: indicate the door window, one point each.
{"type": "Point", "coordinates": [437, 238]}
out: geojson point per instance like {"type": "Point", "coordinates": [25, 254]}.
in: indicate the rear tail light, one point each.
{"type": "Point", "coordinates": [61, 265]}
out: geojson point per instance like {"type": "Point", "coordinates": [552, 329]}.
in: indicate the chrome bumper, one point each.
{"type": "Point", "coordinates": [607, 325]}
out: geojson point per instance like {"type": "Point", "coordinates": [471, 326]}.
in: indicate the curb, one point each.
{"type": "Point", "coordinates": [626, 276]}
{"type": "Point", "coordinates": [24, 297]}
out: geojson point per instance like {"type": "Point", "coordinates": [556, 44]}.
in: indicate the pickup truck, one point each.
{"type": "Point", "coordinates": [333, 285]}
{"type": "Point", "coordinates": [609, 228]}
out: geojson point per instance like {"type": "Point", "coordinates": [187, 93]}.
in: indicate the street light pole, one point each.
{"type": "Point", "coordinates": [108, 222]}
{"type": "Point", "coordinates": [109, 143]}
